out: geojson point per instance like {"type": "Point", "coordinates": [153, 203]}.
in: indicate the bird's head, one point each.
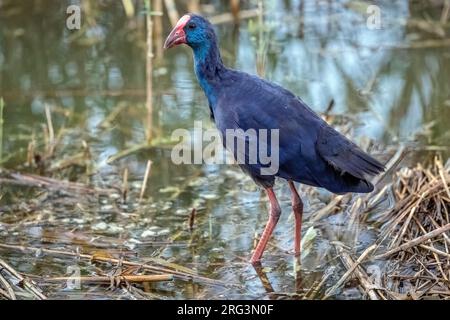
{"type": "Point", "coordinates": [191, 29]}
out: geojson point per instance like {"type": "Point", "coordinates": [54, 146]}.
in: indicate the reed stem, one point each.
{"type": "Point", "coordinates": [149, 72]}
{"type": "Point", "coordinates": [2, 104]}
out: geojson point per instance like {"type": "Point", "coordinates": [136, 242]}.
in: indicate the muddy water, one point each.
{"type": "Point", "coordinates": [388, 82]}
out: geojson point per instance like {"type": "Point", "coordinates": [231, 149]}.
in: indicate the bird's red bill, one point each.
{"type": "Point", "coordinates": [177, 35]}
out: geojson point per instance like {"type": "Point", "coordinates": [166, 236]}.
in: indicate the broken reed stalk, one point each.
{"type": "Point", "coordinates": [128, 6]}
{"type": "Point", "coordinates": [329, 208]}
{"type": "Point", "coordinates": [32, 180]}
{"type": "Point", "coordinates": [437, 251]}
{"type": "Point", "coordinates": [116, 279]}
{"type": "Point", "coordinates": [107, 122]}
{"type": "Point", "coordinates": [228, 17]}
{"type": "Point", "coordinates": [144, 183]}
{"type": "Point", "coordinates": [445, 12]}
{"type": "Point", "coordinates": [327, 113]}
{"type": "Point", "coordinates": [125, 185]}
{"type": "Point", "coordinates": [172, 11]}
{"type": "Point", "coordinates": [349, 272]}
{"type": "Point", "coordinates": [161, 270]}
{"type": "Point", "coordinates": [149, 71]}
{"type": "Point", "coordinates": [24, 282]}
{"type": "Point", "coordinates": [391, 164]}
{"type": "Point", "coordinates": [159, 29]}
{"type": "Point", "coordinates": [416, 241]}
{"type": "Point", "coordinates": [9, 293]}
{"type": "Point", "coordinates": [4, 294]}
{"type": "Point", "coordinates": [417, 231]}
{"type": "Point", "coordinates": [127, 152]}
{"type": "Point", "coordinates": [30, 151]}
{"type": "Point", "coordinates": [51, 131]}
{"type": "Point", "coordinates": [192, 219]}
{"type": "Point", "coordinates": [235, 8]}
{"type": "Point", "coordinates": [363, 278]}
{"type": "Point", "coordinates": [261, 52]}
{"type": "Point", "coordinates": [315, 288]}
{"type": "Point", "coordinates": [2, 105]}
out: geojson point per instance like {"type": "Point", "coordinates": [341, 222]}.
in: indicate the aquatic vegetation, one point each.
{"type": "Point", "coordinates": [2, 104]}
{"type": "Point", "coordinates": [77, 193]}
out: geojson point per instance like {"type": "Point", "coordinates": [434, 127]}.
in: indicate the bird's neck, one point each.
{"type": "Point", "coordinates": [209, 69]}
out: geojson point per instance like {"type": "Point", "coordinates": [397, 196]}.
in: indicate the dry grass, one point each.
{"type": "Point", "coordinates": [412, 259]}
{"type": "Point", "coordinates": [417, 234]}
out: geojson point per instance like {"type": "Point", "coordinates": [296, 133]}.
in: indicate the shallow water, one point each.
{"type": "Point", "coordinates": [320, 50]}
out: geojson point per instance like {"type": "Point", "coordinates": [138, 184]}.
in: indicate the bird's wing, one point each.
{"type": "Point", "coordinates": [344, 155]}
{"type": "Point", "coordinates": [305, 138]}
{"type": "Point", "coordinates": [248, 102]}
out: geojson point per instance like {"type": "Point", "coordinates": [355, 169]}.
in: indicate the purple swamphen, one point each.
{"type": "Point", "coordinates": [310, 151]}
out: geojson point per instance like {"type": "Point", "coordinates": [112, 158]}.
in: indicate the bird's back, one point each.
{"type": "Point", "coordinates": [310, 151]}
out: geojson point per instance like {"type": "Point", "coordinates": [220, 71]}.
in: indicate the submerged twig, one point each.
{"type": "Point", "coordinates": [31, 180]}
{"type": "Point", "coordinates": [364, 280]}
{"type": "Point", "coordinates": [160, 270]}
{"type": "Point", "coordinates": [192, 219]}
{"type": "Point", "coordinates": [27, 284]}
{"type": "Point", "coordinates": [128, 152]}
{"type": "Point", "coordinates": [116, 279]}
{"type": "Point", "coordinates": [349, 272]}
{"type": "Point", "coordinates": [327, 209]}
{"type": "Point", "coordinates": [9, 293]}
{"type": "Point", "coordinates": [144, 183]}
{"type": "Point", "coordinates": [125, 185]}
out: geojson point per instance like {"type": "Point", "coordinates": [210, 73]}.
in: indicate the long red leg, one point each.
{"type": "Point", "coordinates": [274, 216]}
{"type": "Point", "coordinates": [297, 206]}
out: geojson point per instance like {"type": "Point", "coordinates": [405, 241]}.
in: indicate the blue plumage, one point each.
{"type": "Point", "coordinates": [310, 151]}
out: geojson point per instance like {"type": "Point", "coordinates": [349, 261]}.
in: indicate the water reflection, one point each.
{"type": "Point", "coordinates": [322, 50]}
